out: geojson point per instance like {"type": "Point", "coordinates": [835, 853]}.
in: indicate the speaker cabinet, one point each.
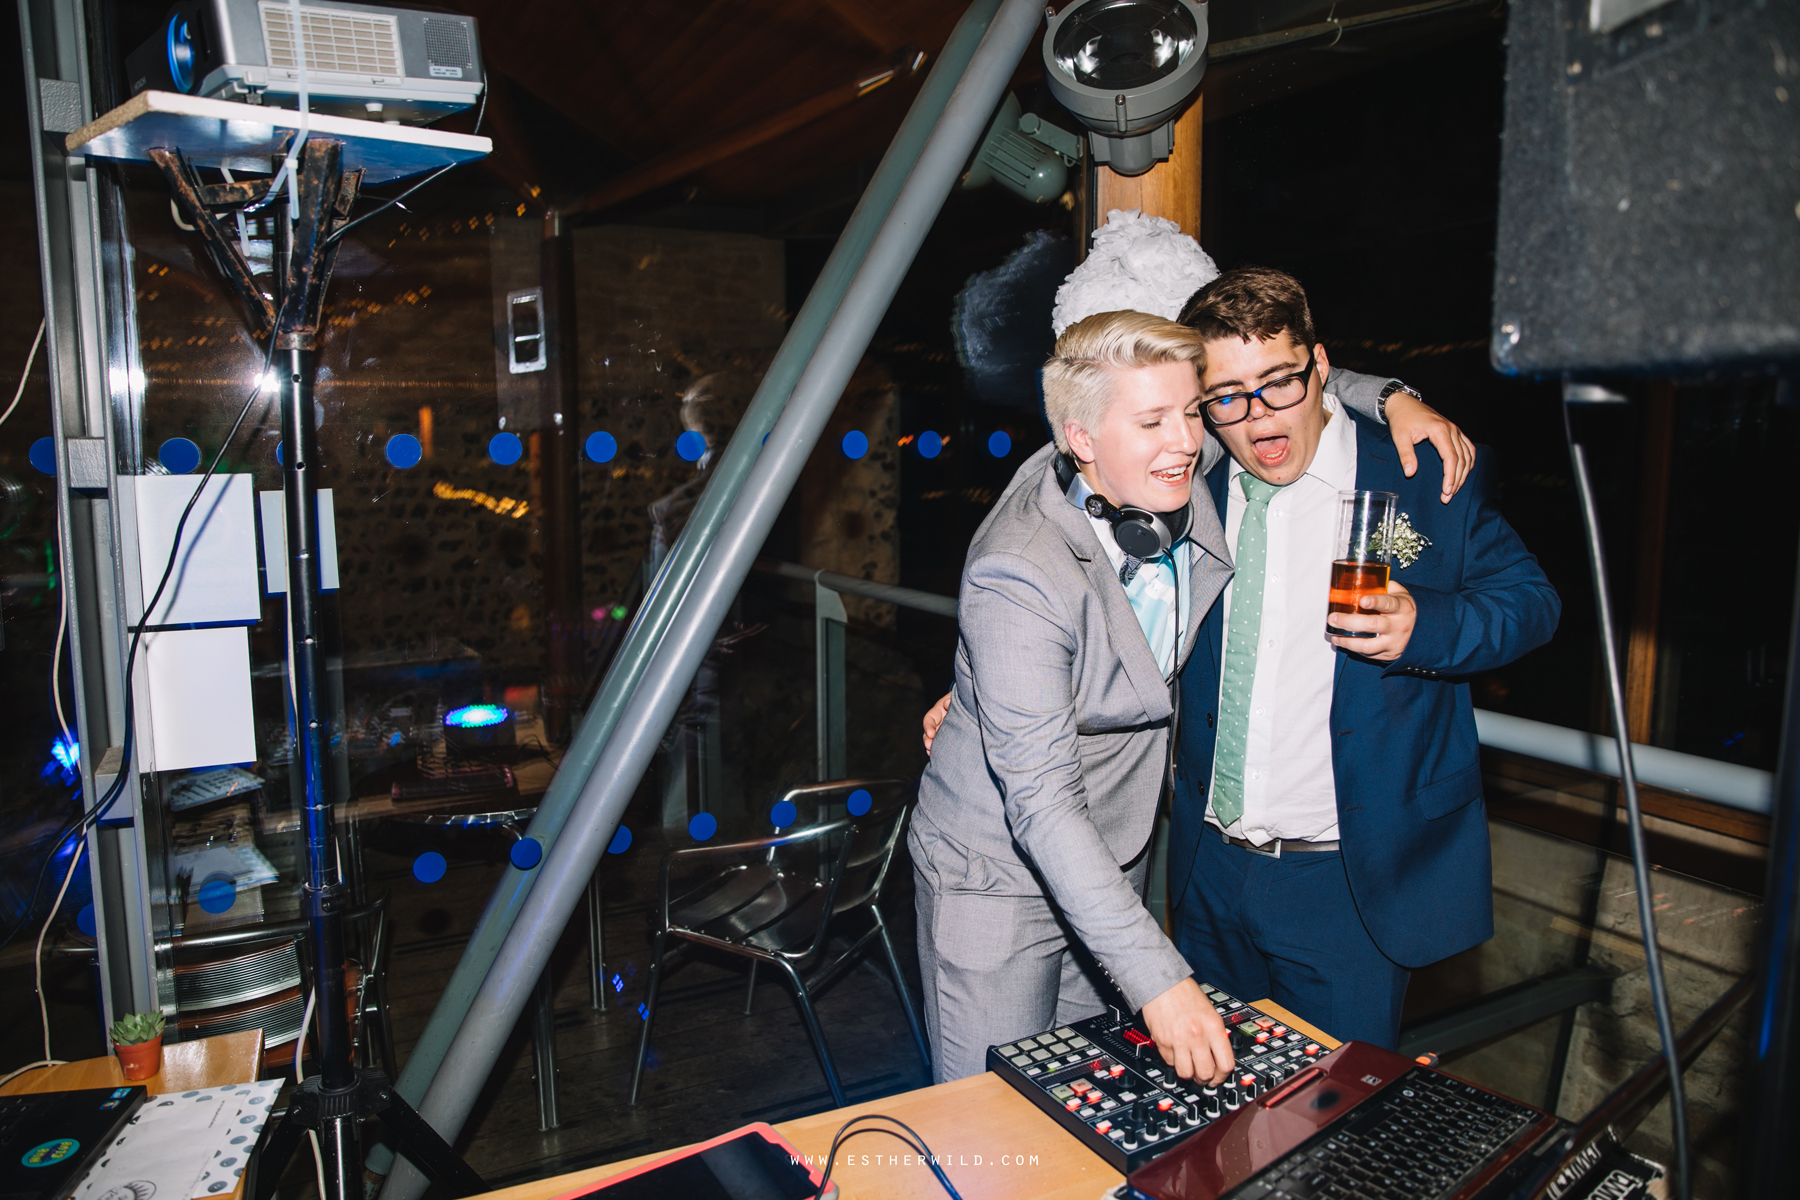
{"type": "Point", "coordinates": [1650, 187]}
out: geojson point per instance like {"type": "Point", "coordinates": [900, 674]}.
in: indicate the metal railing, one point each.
{"type": "Point", "coordinates": [1724, 783]}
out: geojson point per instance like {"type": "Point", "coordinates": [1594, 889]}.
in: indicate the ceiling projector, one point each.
{"type": "Point", "coordinates": [399, 65]}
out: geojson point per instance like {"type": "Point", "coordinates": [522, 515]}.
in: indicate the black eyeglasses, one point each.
{"type": "Point", "coordinates": [1275, 395]}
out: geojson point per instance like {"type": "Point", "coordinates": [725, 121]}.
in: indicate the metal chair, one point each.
{"type": "Point", "coordinates": [778, 901]}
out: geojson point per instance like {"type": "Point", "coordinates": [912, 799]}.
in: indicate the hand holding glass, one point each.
{"type": "Point", "coordinates": [1365, 543]}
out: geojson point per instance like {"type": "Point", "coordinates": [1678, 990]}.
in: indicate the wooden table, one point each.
{"type": "Point", "coordinates": [993, 1143]}
{"type": "Point", "coordinates": [206, 1062]}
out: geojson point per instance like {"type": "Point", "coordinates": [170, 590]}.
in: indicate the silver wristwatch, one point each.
{"type": "Point", "coordinates": [1394, 385]}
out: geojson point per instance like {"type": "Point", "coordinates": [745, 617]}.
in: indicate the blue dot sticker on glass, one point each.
{"type": "Point", "coordinates": [783, 814]}
{"type": "Point", "coordinates": [526, 853]}
{"type": "Point", "coordinates": [690, 446]}
{"type": "Point", "coordinates": [84, 920]}
{"type": "Point", "coordinates": [602, 446]}
{"type": "Point", "coordinates": [179, 455]}
{"type": "Point", "coordinates": [281, 454]}
{"type": "Point", "coordinates": [703, 826]}
{"type": "Point", "coordinates": [1000, 443]}
{"type": "Point", "coordinates": [217, 895]}
{"type": "Point", "coordinates": [429, 867]}
{"type": "Point", "coordinates": [403, 450]}
{"type": "Point", "coordinates": [621, 841]}
{"type": "Point", "coordinates": [856, 444]}
{"type": "Point", "coordinates": [42, 455]}
{"type": "Point", "coordinates": [505, 448]}
{"type": "Point", "coordinates": [930, 444]}
{"type": "Point", "coordinates": [859, 802]}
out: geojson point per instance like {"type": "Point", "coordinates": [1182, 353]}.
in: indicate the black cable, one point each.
{"type": "Point", "coordinates": [911, 1138]}
{"type": "Point", "coordinates": [1640, 859]}
{"type": "Point", "coordinates": [340, 231]}
{"type": "Point", "coordinates": [87, 819]}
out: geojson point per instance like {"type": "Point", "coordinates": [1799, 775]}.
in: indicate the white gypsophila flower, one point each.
{"type": "Point", "coordinates": [1138, 263]}
{"type": "Point", "coordinates": [1409, 543]}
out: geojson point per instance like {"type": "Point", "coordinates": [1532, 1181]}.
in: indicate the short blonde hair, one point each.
{"type": "Point", "coordinates": [1078, 378]}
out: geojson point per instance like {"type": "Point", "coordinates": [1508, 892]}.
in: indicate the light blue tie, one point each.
{"type": "Point", "coordinates": [1239, 675]}
{"type": "Point", "coordinates": [1150, 586]}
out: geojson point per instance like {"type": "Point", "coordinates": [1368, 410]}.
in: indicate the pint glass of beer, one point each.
{"type": "Point", "coordinates": [1365, 544]}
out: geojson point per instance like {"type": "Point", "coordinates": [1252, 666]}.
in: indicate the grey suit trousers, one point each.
{"type": "Point", "coordinates": [997, 960]}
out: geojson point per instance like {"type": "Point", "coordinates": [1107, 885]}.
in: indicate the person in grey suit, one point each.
{"type": "Point", "coordinates": [1030, 840]}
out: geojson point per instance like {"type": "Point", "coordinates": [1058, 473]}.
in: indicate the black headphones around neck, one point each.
{"type": "Point", "coordinates": [1138, 531]}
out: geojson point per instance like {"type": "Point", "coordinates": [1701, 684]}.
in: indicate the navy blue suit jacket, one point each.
{"type": "Point", "coordinates": [1404, 749]}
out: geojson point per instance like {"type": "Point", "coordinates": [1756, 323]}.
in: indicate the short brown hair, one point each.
{"type": "Point", "coordinates": [1078, 378]}
{"type": "Point", "coordinates": [1250, 302]}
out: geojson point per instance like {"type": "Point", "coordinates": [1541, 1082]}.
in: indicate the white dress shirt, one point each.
{"type": "Point", "coordinates": [1290, 790]}
{"type": "Point", "coordinates": [1181, 553]}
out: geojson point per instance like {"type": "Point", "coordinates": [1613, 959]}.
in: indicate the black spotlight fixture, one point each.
{"type": "Point", "coordinates": [1126, 69]}
{"type": "Point", "coordinates": [175, 59]}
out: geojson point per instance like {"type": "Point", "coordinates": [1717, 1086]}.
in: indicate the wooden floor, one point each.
{"type": "Point", "coordinates": [711, 1067]}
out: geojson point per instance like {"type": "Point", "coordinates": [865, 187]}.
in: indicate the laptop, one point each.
{"type": "Point", "coordinates": [48, 1139]}
{"type": "Point", "coordinates": [1360, 1123]}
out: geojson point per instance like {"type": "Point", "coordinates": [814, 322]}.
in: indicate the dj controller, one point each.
{"type": "Point", "coordinates": [1102, 1079]}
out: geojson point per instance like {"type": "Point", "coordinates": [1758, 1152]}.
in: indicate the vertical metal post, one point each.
{"type": "Point", "coordinates": [543, 1051]}
{"type": "Point", "coordinates": [559, 460]}
{"type": "Point", "coordinates": [829, 625]}
{"type": "Point", "coordinates": [596, 947]}
{"type": "Point", "coordinates": [1772, 1111]}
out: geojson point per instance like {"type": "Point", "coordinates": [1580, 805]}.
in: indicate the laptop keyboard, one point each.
{"type": "Point", "coordinates": [11, 1109]}
{"type": "Point", "coordinates": [1417, 1139]}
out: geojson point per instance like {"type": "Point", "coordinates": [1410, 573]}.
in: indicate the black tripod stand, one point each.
{"type": "Point", "coordinates": [334, 1103]}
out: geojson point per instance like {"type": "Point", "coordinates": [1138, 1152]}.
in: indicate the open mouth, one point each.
{"type": "Point", "coordinates": [1173, 476]}
{"type": "Point", "coordinates": [1271, 451]}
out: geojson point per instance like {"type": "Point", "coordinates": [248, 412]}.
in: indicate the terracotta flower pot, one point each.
{"type": "Point", "coordinates": [140, 1060]}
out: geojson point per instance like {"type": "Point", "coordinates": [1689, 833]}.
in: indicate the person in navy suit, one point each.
{"type": "Point", "coordinates": [1328, 833]}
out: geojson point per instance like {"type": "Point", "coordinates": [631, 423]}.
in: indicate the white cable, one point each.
{"type": "Point", "coordinates": [300, 1077]}
{"type": "Point", "coordinates": [287, 172]}
{"type": "Point", "coordinates": [26, 374]}
{"type": "Point", "coordinates": [38, 955]}
{"type": "Point", "coordinates": [62, 628]}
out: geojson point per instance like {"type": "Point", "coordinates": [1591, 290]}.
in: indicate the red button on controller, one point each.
{"type": "Point", "coordinates": [1312, 1050]}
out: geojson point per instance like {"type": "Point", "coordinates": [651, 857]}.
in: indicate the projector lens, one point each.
{"type": "Point", "coordinates": [181, 53]}
{"type": "Point", "coordinates": [1123, 44]}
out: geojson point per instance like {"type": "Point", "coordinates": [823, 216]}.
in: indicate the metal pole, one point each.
{"type": "Point", "coordinates": [683, 564]}
{"type": "Point", "coordinates": [1773, 1113]}
{"type": "Point", "coordinates": [571, 862]}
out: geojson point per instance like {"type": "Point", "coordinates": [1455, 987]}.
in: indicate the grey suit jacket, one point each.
{"type": "Point", "coordinates": [1054, 750]}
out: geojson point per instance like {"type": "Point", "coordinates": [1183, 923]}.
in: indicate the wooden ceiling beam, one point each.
{"type": "Point", "coordinates": [868, 22]}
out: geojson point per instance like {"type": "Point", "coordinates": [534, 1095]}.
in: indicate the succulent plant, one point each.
{"type": "Point", "coordinates": [135, 1028]}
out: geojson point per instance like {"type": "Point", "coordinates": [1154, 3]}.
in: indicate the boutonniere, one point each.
{"type": "Point", "coordinates": [1406, 543]}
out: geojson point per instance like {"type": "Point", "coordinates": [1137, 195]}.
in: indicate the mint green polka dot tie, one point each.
{"type": "Point", "coordinates": [1239, 675]}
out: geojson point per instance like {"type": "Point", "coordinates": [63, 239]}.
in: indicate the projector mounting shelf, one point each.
{"type": "Point", "coordinates": [245, 137]}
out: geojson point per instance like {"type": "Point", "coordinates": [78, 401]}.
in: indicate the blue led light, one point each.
{"type": "Point", "coordinates": [621, 841]}
{"type": "Point", "coordinates": [783, 814]}
{"type": "Point", "coordinates": [84, 920]}
{"type": "Point", "coordinates": [618, 984]}
{"type": "Point", "coordinates": [180, 455]}
{"type": "Point", "coordinates": [856, 444]}
{"type": "Point", "coordinates": [429, 867]}
{"type": "Point", "coordinates": [703, 826]}
{"type": "Point", "coordinates": [42, 455]}
{"type": "Point", "coordinates": [526, 853]}
{"type": "Point", "coordinates": [1000, 443]}
{"type": "Point", "coordinates": [690, 446]}
{"type": "Point", "coordinates": [505, 448]}
{"type": "Point", "coordinates": [404, 450]}
{"type": "Point", "coordinates": [859, 802]}
{"type": "Point", "coordinates": [930, 444]}
{"type": "Point", "coordinates": [65, 760]}
{"type": "Point", "coordinates": [476, 716]}
{"type": "Point", "coordinates": [602, 446]}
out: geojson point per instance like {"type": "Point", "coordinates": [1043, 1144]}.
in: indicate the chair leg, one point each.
{"type": "Point", "coordinates": [656, 964]}
{"type": "Point", "coordinates": [543, 1045]}
{"type": "Point", "coordinates": [818, 1035]}
{"type": "Point", "coordinates": [906, 1000]}
{"type": "Point", "coordinates": [750, 992]}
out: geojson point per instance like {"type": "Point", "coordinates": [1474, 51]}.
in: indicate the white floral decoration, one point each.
{"type": "Point", "coordinates": [1408, 543]}
{"type": "Point", "coordinates": [1138, 263]}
